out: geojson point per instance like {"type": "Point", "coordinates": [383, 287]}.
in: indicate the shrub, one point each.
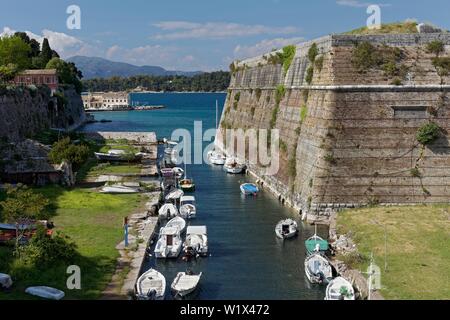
{"type": "Point", "coordinates": [65, 150]}
{"type": "Point", "coordinates": [237, 97]}
{"type": "Point", "coordinates": [280, 93]}
{"type": "Point", "coordinates": [303, 113]}
{"type": "Point", "coordinates": [397, 82]}
{"type": "Point", "coordinates": [442, 65]}
{"type": "Point", "coordinates": [363, 56]}
{"type": "Point", "coordinates": [288, 56]}
{"type": "Point", "coordinates": [436, 47]}
{"type": "Point", "coordinates": [313, 52]}
{"type": "Point", "coordinates": [309, 75]}
{"type": "Point", "coordinates": [428, 133]}
{"type": "Point", "coordinates": [319, 63]}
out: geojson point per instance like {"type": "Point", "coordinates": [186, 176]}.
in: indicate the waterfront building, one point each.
{"type": "Point", "coordinates": [46, 77]}
{"type": "Point", "coordinates": [108, 101]}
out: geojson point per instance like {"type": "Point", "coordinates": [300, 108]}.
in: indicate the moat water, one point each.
{"type": "Point", "coordinates": [247, 261]}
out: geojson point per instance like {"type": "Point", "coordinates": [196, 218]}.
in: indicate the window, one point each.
{"type": "Point", "coordinates": [410, 112]}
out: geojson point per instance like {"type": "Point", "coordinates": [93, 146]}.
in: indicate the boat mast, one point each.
{"type": "Point", "coordinates": [217, 112]}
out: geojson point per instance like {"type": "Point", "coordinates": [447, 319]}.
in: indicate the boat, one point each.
{"type": "Point", "coordinates": [169, 243]}
{"type": "Point", "coordinates": [316, 244]}
{"type": "Point", "coordinates": [107, 157]}
{"type": "Point", "coordinates": [167, 173]}
{"type": "Point", "coordinates": [249, 189]}
{"type": "Point", "coordinates": [151, 285]}
{"type": "Point", "coordinates": [119, 189]}
{"type": "Point", "coordinates": [188, 209]}
{"type": "Point", "coordinates": [286, 229]}
{"type": "Point", "coordinates": [185, 283]}
{"type": "Point", "coordinates": [116, 155]}
{"type": "Point", "coordinates": [340, 289]}
{"type": "Point", "coordinates": [196, 242]}
{"type": "Point", "coordinates": [186, 184]}
{"type": "Point", "coordinates": [318, 269]}
{"type": "Point", "coordinates": [8, 232]}
{"type": "Point", "coordinates": [5, 281]}
{"type": "Point", "coordinates": [216, 157]}
{"type": "Point", "coordinates": [233, 166]}
{"type": "Point", "coordinates": [175, 194]}
{"type": "Point", "coordinates": [178, 172]}
{"type": "Point", "coordinates": [45, 292]}
{"type": "Point", "coordinates": [177, 222]}
{"type": "Point", "coordinates": [170, 147]}
{"type": "Point", "coordinates": [168, 211]}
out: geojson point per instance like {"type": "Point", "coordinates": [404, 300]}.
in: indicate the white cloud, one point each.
{"type": "Point", "coordinates": [359, 4]}
{"type": "Point", "coordinates": [214, 30]}
{"type": "Point", "coordinates": [265, 46]}
{"type": "Point", "coordinates": [143, 55]}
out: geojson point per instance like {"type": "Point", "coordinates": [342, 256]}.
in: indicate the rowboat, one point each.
{"type": "Point", "coordinates": [249, 189]}
{"type": "Point", "coordinates": [45, 292]}
{"type": "Point", "coordinates": [168, 211]}
{"type": "Point", "coordinates": [187, 185]}
{"type": "Point", "coordinates": [316, 244]}
{"type": "Point", "coordinates": [340, 289]}
{"type": "Point", "coordinates": [286, 229]}
{"type": "Point", "coordinates": [185, 283]}
{"type": "Point", "coordinates": [318, 269]}
{"type": "Point", "coordinates": [118, 189]}
{"type": "Point", "coordinates": [177, 222]}
{"type": "Point", "coordinates": [151, 285]}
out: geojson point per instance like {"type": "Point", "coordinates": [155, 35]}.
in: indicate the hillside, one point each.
{"type": "Point", "coordinates": [95, 67]}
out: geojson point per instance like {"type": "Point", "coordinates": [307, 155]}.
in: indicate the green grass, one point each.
{"type": "Point", "coordinates": [114, 169]}
{"type": "Point", "coordinates": [418, 248]}
{"type": "Point", "coordinates": [407, 27]}
{"type": "Point", "coordinates": [94, 222]}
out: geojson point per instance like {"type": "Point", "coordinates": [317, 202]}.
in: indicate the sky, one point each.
{"type": "Point", "coordinates": [192, 35]}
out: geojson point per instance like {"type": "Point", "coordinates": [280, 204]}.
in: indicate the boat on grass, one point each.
{"type": "Point", "coordinates": [45, 292]}
{"type": "Point", "coordinates": [286, 229]}
{"type": "Point", "coordinates": [318, 269]}
{"type": "Point", "coordinates": [5, 281]}
{"type": "Point", "coordinates": [185, 283]}
{"type": "Point", "coordinates": [118, 189]}
{"type": "Point", "coordinates": [340, 289]}
{"type": "Point", "coordinates": [248, 189]}
{"type": "Point", "coordinates": [196, 242]}
{"type": "Point", "coordinates": [168, 211]}
{"type": "Point", "coordinates": [169, 243]}
{"type": "Point", "coordinates": [188, 208]}
{"type": "Point", "coordinates": [177, 222]}
{"type": "Point", "coordinates": [151, 285]}
{"type": "Point", "coordinates": [316, 244]}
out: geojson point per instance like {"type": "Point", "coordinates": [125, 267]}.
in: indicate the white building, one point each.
{"type": "Point", "coordinates": [107, 101]}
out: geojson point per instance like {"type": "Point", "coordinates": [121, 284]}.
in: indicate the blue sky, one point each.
{"type": "Point", "coordinates": [198, 34]}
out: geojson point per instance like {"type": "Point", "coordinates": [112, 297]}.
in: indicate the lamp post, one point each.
{"type": "Point", "coordinates": [125, 229]}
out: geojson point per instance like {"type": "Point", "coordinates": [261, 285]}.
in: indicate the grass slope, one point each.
{"type": "Point", "coordinates": [391, 28]}
{"type": "Point", "coordinates": [418, 248]}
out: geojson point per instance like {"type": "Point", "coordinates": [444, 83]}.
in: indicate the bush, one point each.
{"type": "Point", "coordinates": [288, 56]}
{"type": "Point", "coordinates": [303, 113]}
{"type": "Point", "coordinates": [309, 75]}
{"type": "Point", "coordinates": [442, 65]}
{"type": "Point", "coordinates": [313, 52]}
{"type": "Point", "coordinates": [65, 150]}
{"type": "Point", "coordinates": [428, 133]}
{"type": "Point", "coordinates": [319, 63]}
{"type": "Point", "coordinates": [437, 47]}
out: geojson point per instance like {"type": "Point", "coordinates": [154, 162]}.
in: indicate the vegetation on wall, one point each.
{"type": "Point", "coordinates": [237, 97]}
{"type": "Point", "coordinates": [428, 133]}
{"type": "Point", "coordinates": [436, 47]}
{"type": "Point", "coordinates": [407, 27]}
{"type": "Point", "coordinates": [313, 52]}
{"type": "Point", "coordinates": [319, 63]}
{"type": "Point", "coordinates": [309, 75]}
{"type": "Point", "coordinates": [288, 55]}
{"type": "Point", "coordinates": [303, 113]}
{"type": "Point", "coordinates": [442, 65]}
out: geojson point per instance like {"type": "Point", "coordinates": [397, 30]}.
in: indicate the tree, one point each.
{"type": "Point", "coordinates": [33, 43]}
{"type": "Point", "coordinates": [13, 50]}
{"type": "Point", "coordinates": [22, 207]}
{"type": "Point", "coordinates": [67, 72]}
{"type": "Point", "coordinates": [8, 72]}
{"type": "Point", "coordinates": [46, 52]}
{"type": "Point", "coordinates": [65, 150]}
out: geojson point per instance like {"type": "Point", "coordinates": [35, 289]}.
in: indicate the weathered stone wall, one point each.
{"type": "Point", "coordinates": [24, 112]}
{"type": "Point", "coordinates": [348, 139]}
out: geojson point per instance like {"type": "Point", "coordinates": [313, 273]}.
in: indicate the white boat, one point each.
{"type": "Point", "coordinates": [196, 242]}
{"type": "Point", "coordinates": [177, 222]}
{"type": "Point", "coordinates": [318, 269]}
{"type": "Point", "coordinates": [170, 147]}
{"type": "Point", "coordinates": [5, 281]}
{"type": "Point", "coordinates": [340, 289]}
{"type": "Point", "coordinates": [45, 292]}
{"type": "Point", "coordinates": [169, 243]}
{"type": "Point", "coordinates": [188, 209]}
{"type": "Point", "coordinates": [185, 283]}
{"type": "Point", "coordinates": [179, 173]}
{"type": "Point", "coordinates": [119, 189]}
{"type": "Point", "coordinates": [249, 189]}
{"type": "Point", "coordinates": [151, 285]}
{"type": "Point", "coordinates": [286, 229]}
{"type": "Point", "coordinates": [168, 211]}
{"type": "Point", "coordinates": [233, 166]}
{"type": "Point", "coordinates": [174, 195]}
{"type": "Point", "coordinates": [216, 157]}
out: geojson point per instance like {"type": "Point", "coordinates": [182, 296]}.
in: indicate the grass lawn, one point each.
{"type": "Point", "coordinates": [115, 169]}
{"type": "Point", "coordinates": [94, 222]}
{"type": "Point", "coordinates": [124, 147]}
{"type": "Point", "coordinates": [418, 248]}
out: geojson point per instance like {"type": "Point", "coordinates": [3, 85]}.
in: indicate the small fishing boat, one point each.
{"type": "Point", "coordinates": [151, 285]}
{"type": "Point", "coordinates": [340, 289]}
{"type": "Point", "coordinates": [185, 283]}
{"type": "Point", "coordinates": [107, 156]}
{"type": "Point", "coordinates": [286, 229]}
{"type": "Point", "coordinates": [45, 292]}
{"type": "Point", "coordinates": [5, 281]}
{"type": "Point", "coordinates": [119, 189]}
{"type": "Point", "coordinates": [178, 172]}
{"type": "Point", "coordinates": [216, 157]}
{"type": "Point", "coordinates": [249, 189]}
{"type": "Point", "coordinates": [170, 146]}
{"type": "Point", "coordinates": [232, 166]}
{"type": "Point", "coordinates": [188, 209]}
{"type": "Point", "coordinates": [169, 243]}
{"type": "Point", "coordinates": [196, 242]}
{"type": "Point", "coordinates": [174, 195]}
{"type": "Point", "coordinates": [177, 222]}
{"type": "Point", "coordinates": [187, 185]}
{"type": "Point", "coordinates": [316, 244]}
{"type": "Point", "coordinates": [168, 211]}
{"type": "Point", "coordinates": [318, 269]}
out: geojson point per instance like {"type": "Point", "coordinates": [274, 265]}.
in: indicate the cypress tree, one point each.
{"type": "Point", "coordinates": [46, 52]}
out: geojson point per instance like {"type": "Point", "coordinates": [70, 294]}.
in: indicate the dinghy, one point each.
{"type": "Point", "coordinates": [45, 292]}
{"type": "Point", "coordinates": [340, 289]}
{"type": "Point", "coordinates": [185, 283]}
{"type": "Point", "coordinates": [178, 172]}
{"type": "Point", "coordinates": [151, 285]}
{"type": "Point", "coordinates": [168, 211]}
{"type": "Point", "coordinates": [316, 244]}
{"type": "Point", "coordinates": [249, 189]}
{"type": "Point", "coordinates": [177, 222]}
{"type": "Point", "coordinates": [196, 242]}
{"type": "Point", "coordinates": [119, 189]}
{"type": "Point", "coordinates": [169, 243]}
{"type": "Point", "coordinates": [286, 229]}
{"type": "Point", "coordinates": [188, 209]}
{"type": "Point", "coordinates": [318, 269]}
{"type": "Point", "coordinates": [5, 281]}
{"type": "Point", "coordinates": [232, 166]}
{"type": "Point", "coordinates": [174, 194]}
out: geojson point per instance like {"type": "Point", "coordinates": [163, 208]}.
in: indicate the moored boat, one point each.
{"type": "Point", "coordinates": [187, 185]}
{"type": "Point", "coordinates": [45, 292]}
{"type": "Point", "coordinates": [188, 209]}
{"type": "Point", "coordinates": [168, 211]}
{"type": "Point", "coordinates": [151, 285]}
{"type": "Point", "coordinates": [5, 281]}
{"type": "Point", "coordinates": [286, 229]}
{"type": "Point", "coordinates": [177, 222]}
{"type": "Point", "coordinates": [196, 242]}
{"type": "Point", "coordinates": [316, 244]}
{"type": "Point", "coordinates": [249, 189]}
{"type": "Point", "coordinates": [169, 243]}
{"type": "Point", "coordinates": [318, 269]}
{"type": "Point", "coordinates": [340, 289]}
{"type": "Point", "coordinates": [232, 166]}
{"type": "Point", "coordinates": [174, 195]}
{"type": "Point", "coordinates": [216, 158]}
{"type": "Point", "coordinates": [185, 283]}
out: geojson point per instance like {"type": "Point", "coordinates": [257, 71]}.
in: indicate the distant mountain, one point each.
{"type": "Point", "coordinates": [95, 67]}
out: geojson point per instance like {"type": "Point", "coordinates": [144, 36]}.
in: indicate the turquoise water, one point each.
{"type": "Point", "coordinates": [247, 261]}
